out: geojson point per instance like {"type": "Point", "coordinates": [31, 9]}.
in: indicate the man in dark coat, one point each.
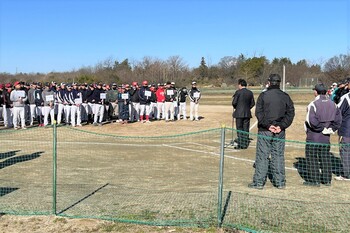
{"type": "Point", "coordinates": [275, 112]}
{"type": "Point", "coordinates": [323, 118]}
{"type": "Point", "coordinates": [243, 102]}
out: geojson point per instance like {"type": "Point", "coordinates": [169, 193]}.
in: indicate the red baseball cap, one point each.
{"type": "Point", "coordinates": [16, 83]}
{"type": "Point", "coordinates": [2, 86]}
{"type": "Point", "coordinates": [8, 85]}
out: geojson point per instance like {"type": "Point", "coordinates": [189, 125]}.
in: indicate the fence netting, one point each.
{"type": "Point", "coordinates": [308, 203]}
{"type": "Point", "coordinates": [172, 180]}
{"type": "Point", "coordinates": [26, 171]}
{"type": "Point", "coordinates": [153, 180]}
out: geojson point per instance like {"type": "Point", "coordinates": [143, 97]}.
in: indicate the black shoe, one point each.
{"type": "Point", "coordinates": [281, 186]}
{"type": "Point", "coordinates": [255, 186]}
{"type": "Point", "coordinates": [313, 184]}
{"type": "Point", "coordinates": [326, 183]}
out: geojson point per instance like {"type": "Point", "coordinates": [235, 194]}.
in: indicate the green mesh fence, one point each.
{"type": "Point", "coordinates": [298, 207]}
{"type": "Point", "coordinates": [26, 171]}
{"type": "Point", "coordinates": [171, 180]}
{"type": "Point", "coordinates": [151, 180]}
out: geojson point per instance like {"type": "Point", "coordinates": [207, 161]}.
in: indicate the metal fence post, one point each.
{"type": "Point", "coordinates": [54, 171]}
{"type": "Point", "coordinates": [221, 174]}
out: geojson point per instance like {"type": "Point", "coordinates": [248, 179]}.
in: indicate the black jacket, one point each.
{"type": "Point", "coordinates": [274, 107]}
{"type": "Point", "coordinates": [134, 95]}
{"type": "Point", "coordinates": [39, 101]}
{"type": "Point", "coordinates": [145, 99]}
{"type": "Point", "coordinates": [1, 99]}
{"type": "Point", "coordinates": [243, 101]}
{"type": "Point", "coordinates": [96, 96]}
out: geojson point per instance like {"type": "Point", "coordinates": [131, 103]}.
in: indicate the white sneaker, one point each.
{"type": "Point", "coordinates": [341, 178]}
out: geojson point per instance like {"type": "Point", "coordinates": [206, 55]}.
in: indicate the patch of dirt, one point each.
{"type": "Point", "coordinates": [50, 224]}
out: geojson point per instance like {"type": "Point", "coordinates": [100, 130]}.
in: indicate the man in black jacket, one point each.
{"type": "Point", "coordinates": [275, 112]}
{"type": "Point", "coordinates": [243, 101]}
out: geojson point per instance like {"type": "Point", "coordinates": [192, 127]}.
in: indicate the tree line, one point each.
{"type": "Point", "coordinates": [229, 69]}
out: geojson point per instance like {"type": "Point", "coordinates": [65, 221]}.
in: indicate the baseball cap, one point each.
{"type": "Point", "coordinates": [319, 87]}
{"type": "Point", "coordinates": [8, 85]}
{"type": "Point", "coordinates": [193, 83]}
{"type": "Point", "coordinates": [2, 86]}
{"type": "Point", "coordinates": [16, 83]}
{"type": "Point", "coordinates": [274, 78]}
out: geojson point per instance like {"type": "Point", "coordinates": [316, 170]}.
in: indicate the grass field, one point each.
{"type": "Point", "coordinates": [118, 172]}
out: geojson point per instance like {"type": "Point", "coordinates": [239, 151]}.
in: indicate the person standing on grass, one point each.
{"type": "Point", "coordinates": [61, 91]}
{"type": "Point", "coordinates": [8, 106]}
{"type": "Point", "coordinates": [170, 94]}
{"type": "Point", "coordinates": [242, 102]}
{"type": "Point", "coordinates": [135, 102]}
{"type": "Point", "coordinates": [98, 98]}
{"type": "Point", "coordinates": [123, 104]}
{"type": "Point", "coordinates": [344, 136]}
{"type": "Point", "coordinates": [2, 86]}
{"type": "Point", "coordinates": [76, 100]}
{"type": "Point", "coordinates": [39, 102]}
{"type": "Point", "coordinates": [112, 97]}
{"type": "Point", "coordinates": [160, 96]}
{"type": "Point", "coordinates": [195, 95]}
{"type": "Point", "coordinates": [18, 98]}
{"type": "Point", "coordinates": [275, 113]}
{"type": "Point", "coordinates": [323, 118]}
{"type": "Point", "coordinates": [145, 102]}
{"type": "Point", "coordinates": [31, 100]}
{"type": "Point", "coordinates": [49, 104]}
{"type": "Point", "coordinates": [183, 93]}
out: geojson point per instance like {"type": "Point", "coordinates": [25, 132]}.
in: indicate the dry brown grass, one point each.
{"type": "Point", "coordinates": [95, 168]}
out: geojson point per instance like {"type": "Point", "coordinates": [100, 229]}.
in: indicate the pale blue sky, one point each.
{"type": "Point", "coordinates": [61, 35]}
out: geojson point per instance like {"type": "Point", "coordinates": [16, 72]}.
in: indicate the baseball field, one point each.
{"type": "Point", "coordinates": [163, 174]}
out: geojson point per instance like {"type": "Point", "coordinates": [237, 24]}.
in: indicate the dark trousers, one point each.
{"type": "Point", "coordinates": [345, 156]}
{"type": "Point", "coordinates": [318, 157]}
{"type": "Point", "coordinates": [270, 145]}
{"type": "Point", "coordinates": [242, 125]}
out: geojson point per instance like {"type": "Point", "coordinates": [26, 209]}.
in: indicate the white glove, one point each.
{"type": "Point", "coordinates": [327, 131]}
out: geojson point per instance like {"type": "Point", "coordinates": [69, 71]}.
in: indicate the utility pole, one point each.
{"type": "Point", "coordinates": [284, 79]}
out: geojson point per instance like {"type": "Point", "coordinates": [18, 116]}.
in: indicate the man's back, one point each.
{"type": "Point", "coordinates": [274, 107]}
{"type": "Point", "coordinates": [243, 101]}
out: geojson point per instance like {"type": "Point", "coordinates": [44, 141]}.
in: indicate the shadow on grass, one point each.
{"type": "Point", "coordinates": [82, 199]}
{"type": "Point", "coordinates": [6, 190]}
{"type": "Point", "coordinates": [19, 159]}
{"type": "Point", "coordinates": [302, 166]}
{"type": "Point", "coordinates": [8, 154]}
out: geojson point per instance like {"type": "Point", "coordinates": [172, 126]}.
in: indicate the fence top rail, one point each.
{"type": "Point", "coordinates": [145, 137]}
